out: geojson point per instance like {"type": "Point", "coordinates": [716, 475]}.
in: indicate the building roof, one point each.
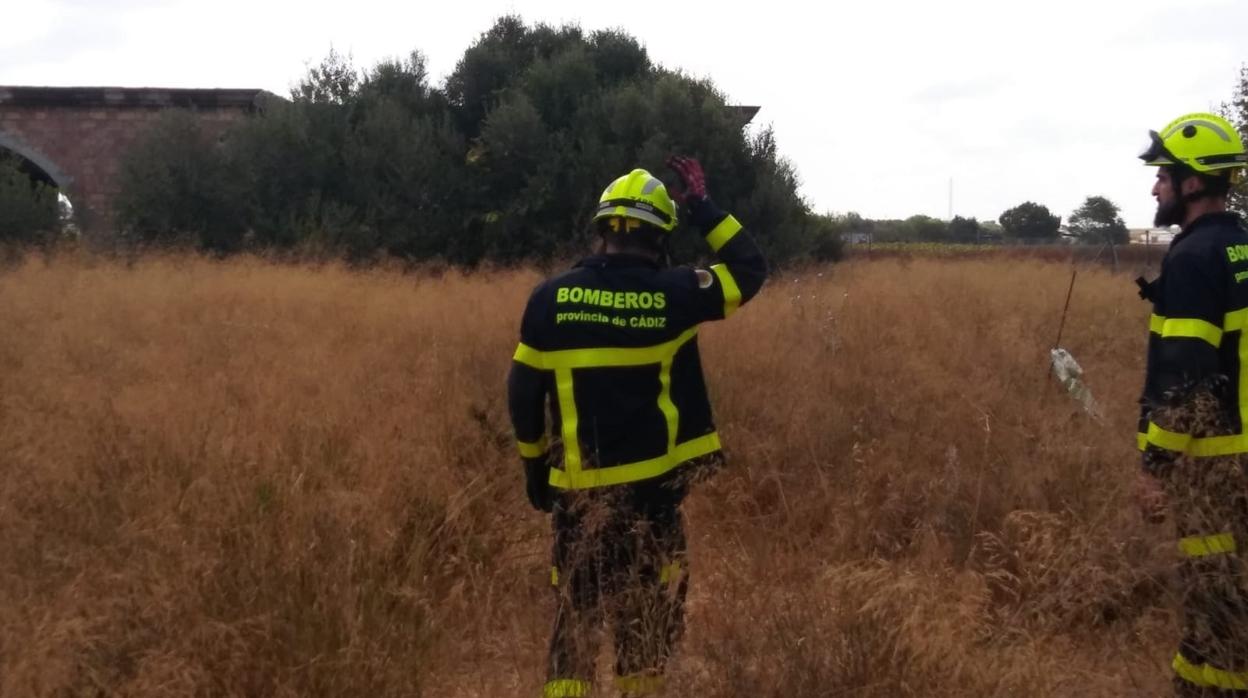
{"type": "Point", "coordinates": [745, 113]}
{"type": "Point", "coordinates": [138, 97]}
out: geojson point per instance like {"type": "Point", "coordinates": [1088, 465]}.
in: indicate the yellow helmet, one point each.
{"type": "Point", "coordinates": [640, 196]}
{"type": "Point", "coordinates": [1206, 143]}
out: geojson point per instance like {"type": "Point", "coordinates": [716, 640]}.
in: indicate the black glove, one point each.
{"type": "Point", "coordinates": [537, 483]}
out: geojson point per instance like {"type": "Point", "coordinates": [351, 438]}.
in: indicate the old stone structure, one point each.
{"type": "Point", "coordinates": [77, 136]}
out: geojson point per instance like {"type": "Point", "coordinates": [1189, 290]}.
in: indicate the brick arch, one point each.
{"type": "Point", "coordinates": [79, 135]}
{"type": "Point", "coordinates": [17, 146]}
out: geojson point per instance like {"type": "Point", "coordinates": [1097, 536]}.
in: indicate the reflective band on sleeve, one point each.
{"type": "Point", "coordinates": [554, 576]}
{"type": "Point", "coordinates": [1204, 546]}
{"type": "Point", "coordinates": [1187, 328]}
{"type": "Point", "coordinates": [639, 684]}
{"type": "Point", "coordinates": [1141, 441]}
{"type": "Point", "coordinates": [1156, 323]}
{"type": "Point", "coordinates": [533, 450]}
{"type": "Point", "coordinates": [1207, 676]}
{"type": "Point", "coordinates": [566, 688]}
{"type": "Point", "coordinates": [722, 233]}
{"type": "Point", "coordinates": [732, 294]}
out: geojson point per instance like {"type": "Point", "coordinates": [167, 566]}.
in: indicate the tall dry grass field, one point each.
{"type": "Point", "coordinates": [242, 479]}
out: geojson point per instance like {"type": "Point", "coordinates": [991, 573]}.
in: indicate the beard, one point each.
{"type": "Point", "coordinates": [1170, 214]}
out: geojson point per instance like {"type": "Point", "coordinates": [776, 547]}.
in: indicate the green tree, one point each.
{"type": "Point", "coordinates": [28, 208]}
{"type": "Point", "coordinates": [495, 61]}
{"type": "Point", "coordinates": [1098, 221]}
{"type": "Point", "coordinates": [887, 230]}
{"type": "Point", "coordinates": [826, 232]}
{"type": "Point", "coordinates": [927, 229]}
{"type": "Point", "coordinates": [176, 183]}
{"type": "Point", "coordinates": [332, 81]}
{"type": "Point", "coordinates": [1030, 222]}
{"type": "Point", "coordinates": [1237, 112]}
{"type": "Point", "coordinates": [964, 230]}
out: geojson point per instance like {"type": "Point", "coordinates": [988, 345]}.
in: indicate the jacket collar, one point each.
{"type": "Point", "coordinates": [618, 261]}
{"type": "Point", "coordinates": [1221, 218]}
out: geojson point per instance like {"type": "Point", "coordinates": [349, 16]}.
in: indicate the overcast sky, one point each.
{"type": "Point", "coordinates": [878, 104]}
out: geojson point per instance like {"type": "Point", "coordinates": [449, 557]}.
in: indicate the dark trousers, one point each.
{"type": "Point", "coordinates": [1209, 497]}
{"type": "Point", "coordinates": [619, 561]}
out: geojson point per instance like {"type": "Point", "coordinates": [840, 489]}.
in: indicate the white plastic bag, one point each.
{"type": "Point", "coordinates": [1070, 375]}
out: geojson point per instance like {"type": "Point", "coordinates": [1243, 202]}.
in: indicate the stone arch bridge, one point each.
{"type": "Point", "coordinates": [75, 137]}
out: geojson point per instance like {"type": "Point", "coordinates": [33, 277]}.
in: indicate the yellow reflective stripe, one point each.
{"type": "Point", "coordinates": [528, 356]}
{"type": "Point", "coordinates": [1208, 676]}
{"type": "Point", "coordinates": [1235, 320]}
{"type": "Point", "coordinates": [669, 572]}
{"type": "Point", "coordinates": [726, 230]}
{"type": "Point", "coordinates": [732, 294]}
{"type": "Point", "coordinates": [639, 684]}
{"type": "Point", "coordinates": [1169, 440]}
{"type": "Point", "coordinates": [1204, 546]}
{"type": "Point", "coordinates": [578, 479]}
{"type": "Point", "coordinates": [1201, 447]}
{"type": "Point", "coordinates": [567, 415]}
{"type": "Point", "coordinates": [670, 414]}
{"type": "Point", "coordinates": [566, 688]}
{"type": "Point", "coordinates": [1211, 446]}
{"type": "Point", "coordinates": [554, 576]}
{"type": "Point", "coordinates": [605, 357]}
{"type": "Point", "coordinates": [1192, 328]}
{"type": "Point", "coordinates": [535, 449]}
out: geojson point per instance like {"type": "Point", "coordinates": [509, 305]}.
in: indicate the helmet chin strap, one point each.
{"type": "Point", "coordinates": [1178, 213]}
{"type": "Point", "coordinates": [1194, 196]}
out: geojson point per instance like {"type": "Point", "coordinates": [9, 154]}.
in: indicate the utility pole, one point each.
{"type": "Point", "coordinates": [950, 199]}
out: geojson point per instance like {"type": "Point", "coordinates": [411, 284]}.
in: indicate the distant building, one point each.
{"type": "Point", "coordinates": [745, 114]}
{"type": "Point", "coordinates": [856, 238]}
{"type": "Point", "coordinates": [1151, 236]}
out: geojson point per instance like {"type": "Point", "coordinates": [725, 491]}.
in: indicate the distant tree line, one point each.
{"type": "Point", "coordinates": [1096, 221]}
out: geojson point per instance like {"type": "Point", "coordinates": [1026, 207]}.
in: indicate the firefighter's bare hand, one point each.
{"type": "Point", "coordinates": [1150, 497]}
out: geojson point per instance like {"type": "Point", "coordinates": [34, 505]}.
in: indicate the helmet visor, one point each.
{"type": "Point", "coordinates": [1156, 152]}
{"type": "Point", "coordinates": [633, 208]}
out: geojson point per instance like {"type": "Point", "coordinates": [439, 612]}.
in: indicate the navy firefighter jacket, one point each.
{"type": "Point", "coordinates": [1197, 335]}
{"type": "Point", "coordinates": [612, 345]}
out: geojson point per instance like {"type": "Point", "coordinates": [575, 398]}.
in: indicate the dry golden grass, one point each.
{"type": "Point", "coordinates": [241, 479]}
